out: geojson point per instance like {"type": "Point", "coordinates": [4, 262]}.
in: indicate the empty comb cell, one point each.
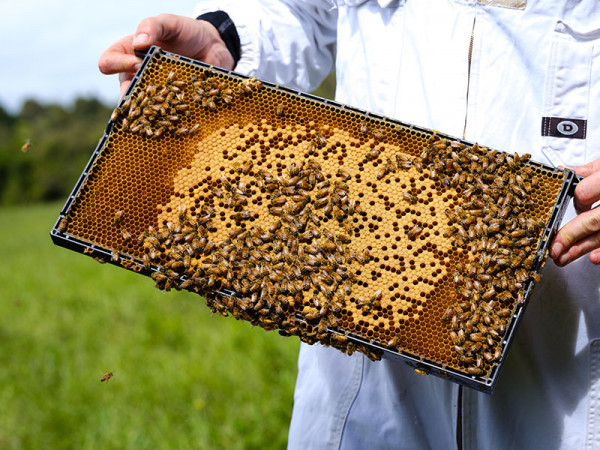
{"type": "Point", "coordinates": [322, 221]}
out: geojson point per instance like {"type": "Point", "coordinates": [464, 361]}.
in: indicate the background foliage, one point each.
{"type": "Point", "coordinates": [62, 140]}
{"type": "Point", "coordinates": [183, 378]}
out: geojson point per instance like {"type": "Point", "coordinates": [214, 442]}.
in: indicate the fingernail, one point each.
{"type": "Point", "coordinates": [141, 39]}
{"type": "Point", "coordinates": [564, 259]}
{"type": "Point", "coordinates": [137, 66]}
{"type": "Point", "coordinates": [556, 250]}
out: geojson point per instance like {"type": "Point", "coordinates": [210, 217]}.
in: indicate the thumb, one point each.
{"type": "Point", "coordinates": [156, 30]}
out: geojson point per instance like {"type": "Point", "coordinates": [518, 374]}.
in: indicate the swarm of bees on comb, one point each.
{"type": "Point", "coordinates": [321, 223]}
{"type": "Point", "coordinates": [156, 110]}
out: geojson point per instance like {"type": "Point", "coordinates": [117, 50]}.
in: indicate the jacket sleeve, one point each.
{"type": "Point", "coordinates": [287, 42]}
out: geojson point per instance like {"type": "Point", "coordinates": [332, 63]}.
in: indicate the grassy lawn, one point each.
{"type": "Point", "coordinates": [183, 378]}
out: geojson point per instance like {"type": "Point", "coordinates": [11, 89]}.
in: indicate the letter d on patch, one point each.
{"type": "Point", "coordinates": [562, 127]}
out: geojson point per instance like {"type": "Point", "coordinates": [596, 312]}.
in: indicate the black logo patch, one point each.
{"type": "Point", "coordinates": [564, 128]}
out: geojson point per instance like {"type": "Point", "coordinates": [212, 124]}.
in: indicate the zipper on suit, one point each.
{"type": "Point", "coordinates": [459, 406]}
{"type": "Point", "coordinates": [469, 75]}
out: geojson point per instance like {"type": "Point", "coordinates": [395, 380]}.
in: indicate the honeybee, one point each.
{"type": "Point", "coordinates": [403, 162]}
{"type": "Point", "coordinates": [414, 232]}
{"type": "Point", "coordinates": [477, 337]}
{"type": "Point", "coordinates": [320, 140]}
{"type": "Point", "coordinates": [382, 172]}
{"type": "Point", "coordinates": [377, 296]}
{"type": "Point", "coordinates": [373, 154]}
{"type": "Point", "coordinates": [107, 376]}
{"type": "Point", "coordinates": [364, 127]}
{"type": "Point", "coordinates": [118, 217]}
{"type": "Point", "coordinates": [62, 225]}
{"type": "Point", "coordinates": [448, 314]}
{"type": "Point", "coordinates": [194, 129]}
{"type": "Point", "coordinates": [114, 255]}
{"type": "Point", "coordinates": [126, 235]}
{"type": "Point", "coordinates": [246, 167]}
{"type": "Point", "coordinates": [378, 134]}
{"type": "Point", "coordinates": [343, 175]}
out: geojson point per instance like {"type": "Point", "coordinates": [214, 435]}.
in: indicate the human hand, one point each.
{"type": "Point", "coordinates": [197, 39]}
{"type": "Point", "coordinates": [582, 234]}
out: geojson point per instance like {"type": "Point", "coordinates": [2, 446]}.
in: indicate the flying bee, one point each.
{"type": "Point", "coordinates": [106, 376]}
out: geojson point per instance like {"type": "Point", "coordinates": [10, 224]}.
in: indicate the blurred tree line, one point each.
{"type": "Point", "coordinates": [62, 140]}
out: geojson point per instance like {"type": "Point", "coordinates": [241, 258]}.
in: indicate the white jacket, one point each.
{"type": "Point", "coordinates": [409, 59]}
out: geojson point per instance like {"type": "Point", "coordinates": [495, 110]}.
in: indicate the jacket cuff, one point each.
{"type": "Point", "coordinates": [247, 27]}
{"type": "Point", "coordinates": [226, 28]}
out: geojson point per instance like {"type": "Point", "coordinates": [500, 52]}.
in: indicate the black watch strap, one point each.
{"type": "Point", "coordinates": [223, 23]}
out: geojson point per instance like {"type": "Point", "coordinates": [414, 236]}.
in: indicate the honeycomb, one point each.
{"type": "Point", "coordinates": [326, 222]}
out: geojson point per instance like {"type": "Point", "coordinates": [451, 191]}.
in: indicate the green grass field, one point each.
{"type": "Point", "coordinates": [183, 378]}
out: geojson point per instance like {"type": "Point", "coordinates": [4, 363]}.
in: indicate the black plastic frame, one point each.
{"type": "Point", "coordinates": [481, 383]}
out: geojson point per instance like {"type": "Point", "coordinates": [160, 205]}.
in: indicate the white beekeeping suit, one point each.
{"type": "Point", "coordinates": [516, 75]}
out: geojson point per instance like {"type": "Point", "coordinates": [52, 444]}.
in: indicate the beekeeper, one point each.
{"type": "Point", "coordinates": [518, 75]}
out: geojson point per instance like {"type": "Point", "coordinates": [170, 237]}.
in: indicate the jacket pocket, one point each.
{"type": "Point", "coordinates": [567, 95]}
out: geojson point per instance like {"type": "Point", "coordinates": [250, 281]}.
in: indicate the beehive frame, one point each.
{"type": "Point", "coordinates": [374, 238]}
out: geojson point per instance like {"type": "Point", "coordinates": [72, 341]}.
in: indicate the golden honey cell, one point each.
{"type": "Point", "coordinates": [319, 217]}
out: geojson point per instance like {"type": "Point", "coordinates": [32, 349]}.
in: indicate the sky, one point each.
{"type": "Point", "coordinates": [50, 49]}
